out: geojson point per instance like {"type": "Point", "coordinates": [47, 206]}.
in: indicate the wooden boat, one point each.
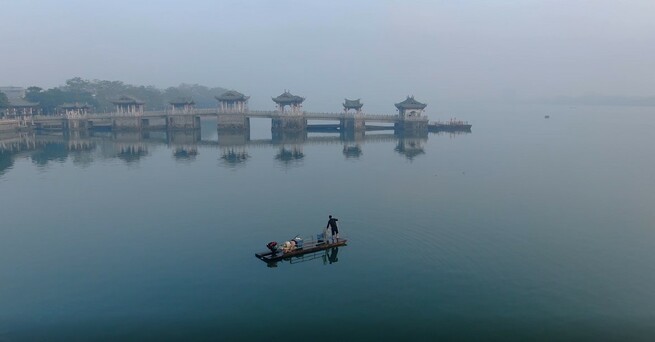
{"type": "Point", "coordinates": [310, 247]}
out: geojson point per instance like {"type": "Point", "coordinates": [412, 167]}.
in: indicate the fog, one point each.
{"type": "Point", "coordinates": [379, 51]}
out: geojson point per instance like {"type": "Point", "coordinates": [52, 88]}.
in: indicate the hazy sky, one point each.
{"type": "Point", "coordinates": [379, 51]}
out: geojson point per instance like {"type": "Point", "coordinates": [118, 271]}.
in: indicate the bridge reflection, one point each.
{"type": "Point", "coordinates": [234, 147]}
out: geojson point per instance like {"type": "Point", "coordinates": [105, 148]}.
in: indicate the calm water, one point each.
{"type": "Point", "coordinates": [525, 228]}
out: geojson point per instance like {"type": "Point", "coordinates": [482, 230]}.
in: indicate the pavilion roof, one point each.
{"type": "Point", "coordinates": [287, 97]}
{"type": "Point", "coordinates": [75, 105]}
{"type": "Point", "coordinates": [410, 103]}
{"type": "Point", "coordinates": [127, 100]}
{"type": "Point", "coordinates": [232, 95]}
{"type": "Point", "coordinates": [356, 104]}
{"type": "Point", "coordinates": [183, 101]}
{"type": "Point", "coordinates": [20, 102]}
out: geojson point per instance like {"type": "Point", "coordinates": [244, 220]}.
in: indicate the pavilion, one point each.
{"type": "Point", "coordinates": [232, 101]}
{"type": "Point", "coordinates": [287, 99]}
{"type": "Point", "coordinates": [410, 108]}
{"type": "Point", "coordinates": [127, 105]}
{"type": "Point", "coordinates": [353, 104]}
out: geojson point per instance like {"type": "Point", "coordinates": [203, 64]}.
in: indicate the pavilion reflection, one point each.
{"type": "Point", "coordinates": [290, 154]}
{"type": "Point", "coordinates": [185, 144]}
{"type": "Point", "coordinates": [233, 147]}
{"type": "Point", "coordinates": [411, 146]}
{"type": "Point", "coordinates": [133, 146]}
{"type": "Point", "coordinates": [352, 143]}
{"type": "Point", "coordinates": [290, 150]}
{"type": "Point", "coordinates": [352, 151]}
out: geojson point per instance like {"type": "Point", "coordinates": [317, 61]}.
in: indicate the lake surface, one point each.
{"type": "Point", "coordinates": [526, 228]}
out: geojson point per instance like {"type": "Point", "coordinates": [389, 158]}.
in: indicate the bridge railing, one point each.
{"type": "Point", "coordinates": [253, 113]}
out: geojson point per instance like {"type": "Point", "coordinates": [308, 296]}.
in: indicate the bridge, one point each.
{"type": "Point", "coordinates": [213, 112]}
{"type": "Point", "coordinates": [232, 114]}
{"type": "Point", "coordinates": [168, 120]}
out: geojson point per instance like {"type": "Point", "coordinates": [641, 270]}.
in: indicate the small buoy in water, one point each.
{"type": "Point", "coordinates": [547, 116]}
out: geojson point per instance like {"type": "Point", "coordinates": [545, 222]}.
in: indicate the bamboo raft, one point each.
{"type": "Point", "coordinates": [269, 256]}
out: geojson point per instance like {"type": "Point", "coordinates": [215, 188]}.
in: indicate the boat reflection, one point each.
{"type": "Point", "coordinates": [328, 256]}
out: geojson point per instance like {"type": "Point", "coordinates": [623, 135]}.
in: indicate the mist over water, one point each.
{"type": "Point", "coordinates": [536, 225]}
{"type": "Point", "coordinates": [454, 236]}
{"type": "Point", "coordinates": [380, 51]}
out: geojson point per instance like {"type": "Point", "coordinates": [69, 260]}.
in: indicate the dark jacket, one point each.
{"type": "Point", "coordinates": [332, 223]}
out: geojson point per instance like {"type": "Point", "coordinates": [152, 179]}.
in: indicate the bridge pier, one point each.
{"type": "Point", "coordinates": [412, 127]}
{"type": "Point", "coordinates": [129, 123]}
{"type": "Point", "coordinates": [183, 137]}
{"type": "Point", "coordinates": [182, 122]}
{"type": "Point", "coordinates": [76, 124]}
{"type": "Point", "coordinates": [232, 122]}
{"type": "Point", "coordinates": [7, 125]}
{"type": "Point", "coordinates": [352, 135]}
{"type": "Point", "coordinates": [233, 138]}
{"type": "Point", "coordinates": [289, 137]}
{"type": "Point", "coordinates": [292, 123]}
{"type": "Point", "coordinates": [353, 124]}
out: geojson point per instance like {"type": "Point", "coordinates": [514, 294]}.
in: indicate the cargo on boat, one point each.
{"type": "Point", "coordinates": [298, 246]}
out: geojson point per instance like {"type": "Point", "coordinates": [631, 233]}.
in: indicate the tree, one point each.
{"type": "Point", "coordinates": [4, 101]}
{"type": "Point", "coordinates": [78, 85]}
{"type": "Point", "coordinates": [52, 98]}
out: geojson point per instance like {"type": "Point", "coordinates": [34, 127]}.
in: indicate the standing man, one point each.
{"type": "Point", "coordinates": [332, 223]}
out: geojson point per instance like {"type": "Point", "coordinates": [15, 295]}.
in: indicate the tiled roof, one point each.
{"type": "Point", "coordinates": [410, 103]}
{"type": "Point", "coordinates": [287, 97]}
{"type": "Point", "coordinates": [75, 105]}
{"type": "Point", "coordinates": [232, 95]}
{"type": "Point", "coordinates": [353, 104]}
{"type": "Point", "coordinates": [127, 100]}
{"type": "Point", "coordinates": [182, 102]}
{"type": "Point", "coordinates": [20, 102]}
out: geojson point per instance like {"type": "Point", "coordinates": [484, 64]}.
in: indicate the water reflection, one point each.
{"type": "Point", "coordinates": [328, 256]}
{"type": "Point", "coordinates": [48, 152]}
{"type": "Point", "coordinates": [410, 148]}
{"type": "Point", "coordinates": [185, 152]}
{"type": "Point", "coordinates": [6, 162]}
{"type": "Point", "coordinates": [331, 256]}
{"type": "Point", "coordinates": [288, 155]}
{"type": "Point", "coordinates": [352, 151]}
{"type": "Point", "coordinates": [131, 153]}
{"type": "Point", "coordinates": [234, 156]}
{"type": "Point", "coordinates": [185, 144]}
{"type": "Point", "coordinates": [233, 147]}
{"type": "Point", "coordinates": [132, 147]}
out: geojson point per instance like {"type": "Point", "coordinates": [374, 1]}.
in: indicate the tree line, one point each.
{"type": "Point", "coordinates": [100, 93]}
